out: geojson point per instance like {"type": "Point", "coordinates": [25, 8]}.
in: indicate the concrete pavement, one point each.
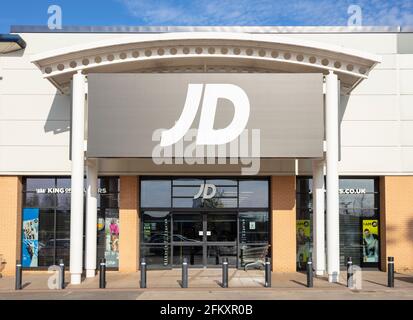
{"type": "Point", "coordinates": [205, 284]}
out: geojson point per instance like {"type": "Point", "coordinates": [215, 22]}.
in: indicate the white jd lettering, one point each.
{"type": "Point", "coordinates": [203, 190]}
{"type": "Point", "coordinates": [207, 135]}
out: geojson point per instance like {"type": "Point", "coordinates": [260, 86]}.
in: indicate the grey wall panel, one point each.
{"type": "Point", "coordinates": [125, 110]}
{"type": "Point", "coordinates": [405, 43]}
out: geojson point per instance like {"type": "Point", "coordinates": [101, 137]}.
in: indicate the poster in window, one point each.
{"type": "Point", "coordinates": [30, 237]}
{"type": "Point", "coordinates": [303, 242]}
{"type": "Point", "coordinates": [112, 242]}
{"type": "Point", "coordinates": [370, 240]}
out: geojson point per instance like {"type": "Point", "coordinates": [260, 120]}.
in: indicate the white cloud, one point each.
{"type": "Point", "coordinates": [268, 12]}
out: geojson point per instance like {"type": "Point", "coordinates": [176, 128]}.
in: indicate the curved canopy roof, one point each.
{"type": "Point", "coordinates": [205, 52]}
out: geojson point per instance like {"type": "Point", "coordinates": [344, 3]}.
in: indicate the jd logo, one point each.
{"type": "Point", "coordinates": [203, 191]}
{"type": "Point", "coordinates": [207, 135]}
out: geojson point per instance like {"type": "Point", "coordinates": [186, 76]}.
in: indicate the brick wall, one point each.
{"type": "Point", "coordinates": [283, 224]}
{"type": "Point", "coordinates": [10, 222]}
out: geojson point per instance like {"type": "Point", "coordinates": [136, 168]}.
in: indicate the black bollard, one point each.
{"type": "Point", "coordinates": [185, 273]}
{"type": "Point", "coordinates": [390, 272]}
{"type": "Point", "coordinates": [102, 273]}
{"type": "Point", "coordinates": [143, 273]}
{"type": "Point", "coordinates": [19, 274]}
{"type": "Point", "coordinates": [62, 274]}
{"type": "Point", "coordinates": [349, 272]}
{"type": "Point", "coordinates": [309, 273]}
{"type": "Point", "coordinates": [267, 273]}
{"type": "Point", "coordinates": [225, 273]}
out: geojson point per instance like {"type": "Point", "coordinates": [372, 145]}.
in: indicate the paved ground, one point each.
{"type": "Point", "coordinates": [205, 284]}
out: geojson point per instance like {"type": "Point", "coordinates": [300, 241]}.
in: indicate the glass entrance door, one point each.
{"type": "Point", "coordinates": [221, 238]}
{"type": "Point", "coordinates": [204, 238]}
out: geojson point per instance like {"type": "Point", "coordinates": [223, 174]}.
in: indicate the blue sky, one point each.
{"type": "Point", "coordinates": [205, 12]}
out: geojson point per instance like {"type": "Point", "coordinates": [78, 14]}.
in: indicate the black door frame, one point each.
{"type": "Point", "coordinates": [205, 243]}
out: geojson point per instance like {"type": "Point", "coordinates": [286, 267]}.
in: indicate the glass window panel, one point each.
{"type": "Point", "coordinates": [222, 182]}
{"type": "Point", "coordinates": [253, 256]}
{"type": "Point", "coordinates": [216, 255]}
{"type": "Point", "coordinates": [47, 238]}
{"type": "Point", "coordinates": [358, 201]}
{"type": "Point", "coordinates": [253, 194]}
{"type": "Point", "coordinates": [222, 227]}
{"type": "Point", "coordinates": [303, 214]}
{"type": "Point", "coordinates": [32, 184]}
{"type": "Point", "coordinates": [156, 226]}
{"type": "Point", "coordinates": [187, 181]}
{"type": "Point", "coordinates": [158, 256]}
{"type": "Point", "coordinates": [194, 255]}
{"type": "Point", "coordinates": [220, 203]}
{"type": "Point", "coordinates": [186, 227]}
{"type": "Point", "coordinates": [185, 191]}
{"type": "Point", "coordinates": [63, 236]}
{"type": "Point", "coordinates": [112, 233]}
{"type": "Point", "coordinates": [110, 200]}
{"type": "Point", "coordinates": [304, 201]}
{"type": "Point", "coordinates": [253, 227]}
{"type": "Point", "coordinates": [101, 237]}
{"type": "Point", "coordinates": [39, 200]}
{"type": "Point", "coordinates": [108, 184]}
{"type": "Point", "coordinates": [303, 242]}
{"type": "Point", "coordinates": [156, 193]}
{"type": "Point", "coordinates": [359, 212]}
{"type": "Point", "coordinates": [350, 239]}
{"type": "Point", "coordinates": [63, 182]}
{"type": "Point", "coordinates": [304, 185]}
{"type": "Point", "coordinates": [186, 203]}
{"type": "Point", "coordinates": [352, 185]}
{"type": "Point", "coordinates": [226, 192]}
{"type": "Point", "coordinates": [108, 236]}
{"type": "Point", "coordinates": [63, 201]}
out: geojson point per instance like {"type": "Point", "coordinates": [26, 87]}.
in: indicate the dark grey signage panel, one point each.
{"type": "Point", "coordinates": [124, 110]}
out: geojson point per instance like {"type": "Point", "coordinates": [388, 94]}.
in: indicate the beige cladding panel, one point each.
{"type": "Point", "coordinates": [10, 223]}
{"type": "Point", "coordinates": [397, 221]}
{"type": "Point", "coordinates": [129, 224]}
{"type": "Point", "coordinates": [283, 223]}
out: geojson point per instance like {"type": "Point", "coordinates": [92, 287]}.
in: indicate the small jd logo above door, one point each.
{"type": "Point", "coordinates": [203, 191]}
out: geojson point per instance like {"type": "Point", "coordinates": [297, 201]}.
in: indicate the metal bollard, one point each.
{"type": "Point", "coordinates": [390, 272]}
{"type": "Point", "coordinates": [143, 273]}
{"type": "Point", "coordinates": [19, 274]}
{"type": "Point", "coordinates": [309, 273]}
{"type": "Point", "coordinates": [102, 273]}
{"type": "Point", "coordinates": [62, 274]}
{"type": "Point", "coordinates": [267, 273]}
{"type": "Point", "coordinates": [225, 273]}
{"type": "Point", "coordinates": [185, 273]}
{"type": "Point", "coordinates": [349, 272]}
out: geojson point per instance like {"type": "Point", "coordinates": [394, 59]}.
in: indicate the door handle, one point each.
{"type": "Point", "coordinates": [201, 233]}
{"type": "Point", "coordinates": [208, 233]}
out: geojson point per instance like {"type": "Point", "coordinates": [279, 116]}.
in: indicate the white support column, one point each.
{"type": "Point", "coordinates": [333, 238]}
{"type": "Point", "coordinates": [318, 218]}
{"type": "Point", "coordinates": [76, 202]}
{"type": "Point", "coordinates": [91, 217]}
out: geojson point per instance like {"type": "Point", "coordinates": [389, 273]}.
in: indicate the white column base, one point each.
{"type": "Point", "coordinates": [90, 273]}
{"type": "Point", "coordinates": [75, 278]}
{"type": "Point", "coordinates": [333, 277]}
{"type": "Point", "coordinates": [319, 273]}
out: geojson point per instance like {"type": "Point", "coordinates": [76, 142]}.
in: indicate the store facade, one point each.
{"type": "Point", "coordinates": [327, 176]}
